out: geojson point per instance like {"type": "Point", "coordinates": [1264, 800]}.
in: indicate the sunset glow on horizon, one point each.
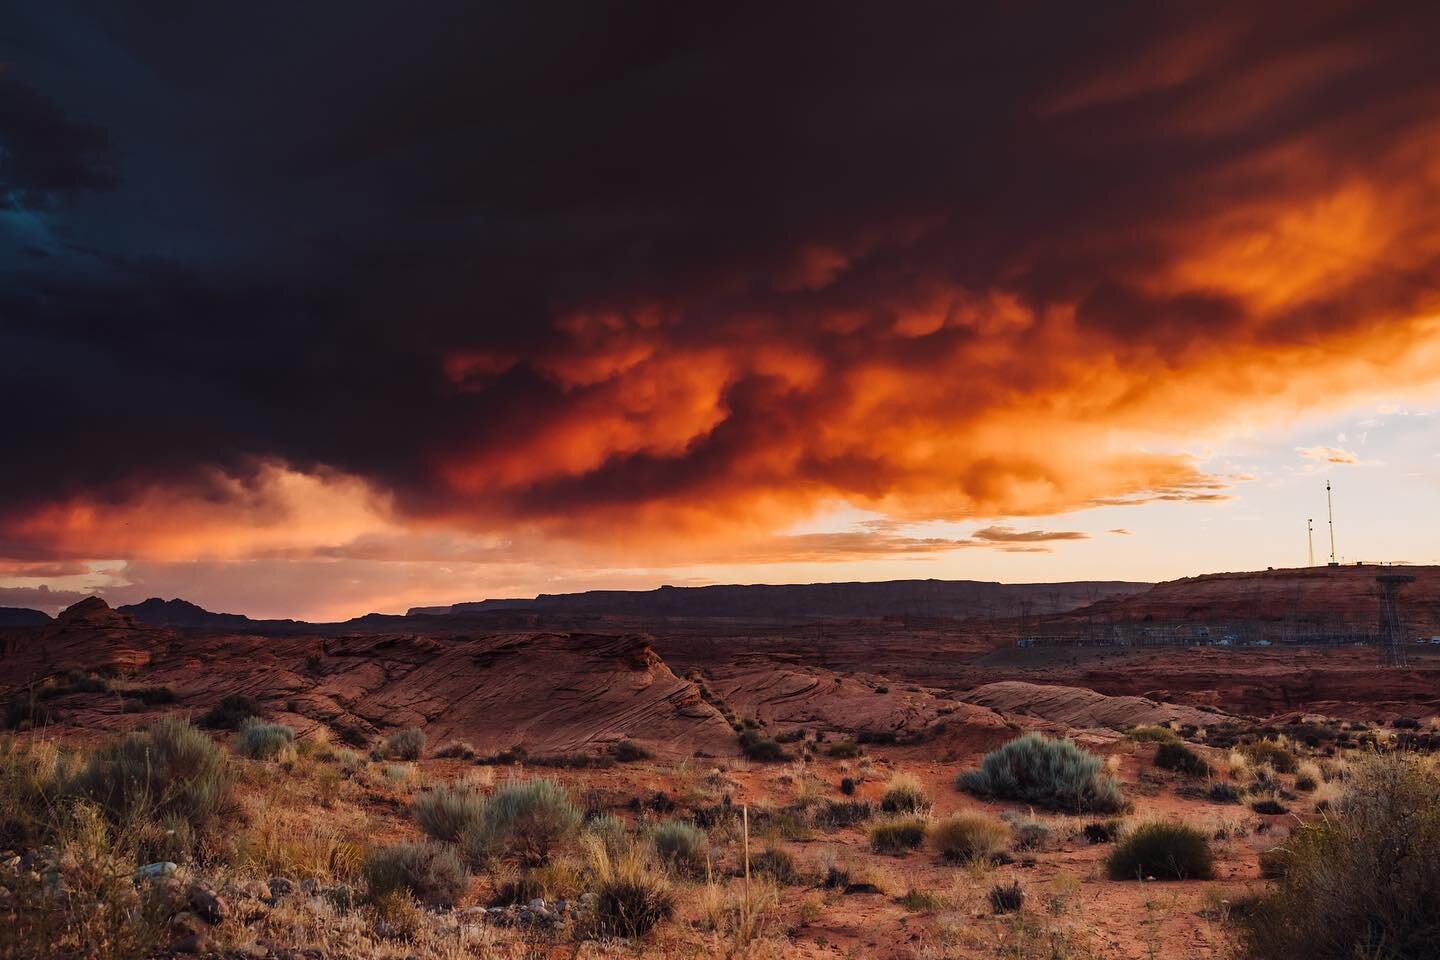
{"type": "Point", "coordinates": [968, 296]}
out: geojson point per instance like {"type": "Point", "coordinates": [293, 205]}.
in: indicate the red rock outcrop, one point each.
{"type": "Point", "coordinates": [550, 693]}
{"type": "Point", "coordinates": [1081, 707]}
{"type": "Point", "coordinates": [785, 697]}
{"type": "Point", "coordinates": [1316, 594]}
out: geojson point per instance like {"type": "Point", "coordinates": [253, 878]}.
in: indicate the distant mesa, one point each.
{"type": "Point", "coordinates": [23, 617]}
{"type": "Point", "coordinates": [957, 599]}
{"type": "Point", "coordinates": [181, 613]}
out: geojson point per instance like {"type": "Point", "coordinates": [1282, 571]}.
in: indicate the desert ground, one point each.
{"type": "Point", "coordinates": [467, 785]}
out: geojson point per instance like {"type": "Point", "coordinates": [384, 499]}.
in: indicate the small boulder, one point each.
{"type": "Point", "coordinates": [207, 904]}
{"type": "Point", "coordinates": [190, 943]}
{"type": "Point", "coordinates": [154, 871]}
{"type": "Point", "coordinates": [342, 895]}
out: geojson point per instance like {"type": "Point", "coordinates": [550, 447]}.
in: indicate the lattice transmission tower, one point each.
{"type": "Point", "coordinates": [1391, 639]}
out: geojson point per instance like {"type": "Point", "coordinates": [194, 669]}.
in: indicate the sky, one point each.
{"type": "Point", "coordinates": [319, 309]}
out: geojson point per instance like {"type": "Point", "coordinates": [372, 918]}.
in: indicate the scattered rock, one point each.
{"type": "Point", "coordinates": [278, 951]}
{"type": "Point", "coordinates": [154, 871]}
{"type": "Point", "coordinates": [255, 890]}
{"type": "Point", "coordinates": [207, 904]}
{"type": "Point", "coordinates": [190, 943]}
{"type": "Point", "coordinates": [342, 895]}
{"type": "Point", "coordinates": [538, 912]}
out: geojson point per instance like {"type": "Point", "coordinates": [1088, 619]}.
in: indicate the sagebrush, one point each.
{"type": "Point", "coordinates": [1362, 882]}
{"type": "Point", "coordinates": [431, 871]}
{"type": "Point", "coordinates": [1055, 774]}
{"type": "Point", "coordinates": [523, 823]}
{"type": "Point", "coordinates": [1162, 851]}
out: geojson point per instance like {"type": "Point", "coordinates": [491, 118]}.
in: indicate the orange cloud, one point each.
{"type": "Point", "coordinates": [225, 517]}
{"type": "Point", "coordinates": [1329, 455]}
{"type": "Point", "coordinates": [1274, 260]}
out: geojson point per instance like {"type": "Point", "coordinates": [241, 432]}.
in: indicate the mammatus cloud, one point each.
{"type": "Point", "coordinates": [422, 336]}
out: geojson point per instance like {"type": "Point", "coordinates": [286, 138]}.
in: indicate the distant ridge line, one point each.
{"type": "Point", "coordinates": [963, 599]}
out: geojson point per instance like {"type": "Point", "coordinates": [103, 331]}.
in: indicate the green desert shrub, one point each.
{"type": "Point", "coordinates": [760, 748]}
{"type": "Point", "coordinates": [349, 761]}
{"type": "Point", "coordinates": [1055, 774]}
{"type": "Point", "coordinates": [1272, 862]}
{"type": "Point", "coordinates": [842, 749]}
{"type": "Point", "coordinates": [682, 845]}
{"type": "Point", "coordinates": [562, 878]}
{"type": "Point", "coordinates": [260, 740]}
{"type": "Point", "coordinates": [171, 769]}
{"type": "Point", "coordinates": [1269, 806]}
{"type": "Point", "coordinates": [628, 751]}
{"type": "Point", "coordinates": [455, 750]}
{"type": "Point", "coordinates": [431, 871]}
{"type": "Point", "coordinates": [1102, 831]}
{"type": "Point", "coordinates": [898, 834]}
{"type": "Point", "coordinates": [1219, 791]}
{"type": "Point", "coordinates": [446, 812]}
{"type": "Point", "coordinates": [1180, 758]}
{"type": "Point", "coordinates": [1364, 880]}
{"type": "Point", "coordinates": [1307, 777]}
{"type": "Point", "coordinates": [1030, 834]}
{"type": "Point", "coordinates": [523, 823]}
{"type": "Point", "coordinates": [1268, 751]}
{"type": "Point", "coordinates": [776, 863]}
{"type": "Point", "coordinates": [407, 744]}
{"type": "Point", "coordinates": [33, 774]}
{"type": "Point", "coordinates": [1007, 897]}
{"type": "Point", "coordinates": [1150, 733]}
{"type": "Point", "coordinates": [835, 814]}
{"type": "Point", "coordinates": [609, 830]}
{"type": "Point", "coordinates": [95, 911]}
{"type": "Point", "coordinates": [922, 901]}
{"type": "Point", "coordinates": [232, 710]}
{"type": "Point", "coordinates": [968, 838]}
{"type": "Point", "coordinates": [632, 894]}
{"type": "Point", "coordinates": [1163, 851]}
{"type": "Point", "coordinates": [904, 794]}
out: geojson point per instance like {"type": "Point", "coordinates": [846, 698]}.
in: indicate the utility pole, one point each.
{"type": "Point", "coordinates": [1330, 509]}
{"type": "Point", "coordinates": [1310, 538]}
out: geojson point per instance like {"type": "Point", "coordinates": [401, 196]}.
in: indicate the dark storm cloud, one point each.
{"type": "Point", "coordinates": [538, 262]}
{"type": "Point", "coordinates": [45, 155]}
{"type": "Point", "coordinates": [39, 598]}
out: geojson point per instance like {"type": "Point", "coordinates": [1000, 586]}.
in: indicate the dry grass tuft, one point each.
{"type": "Point", "coordinates": [969, 837]}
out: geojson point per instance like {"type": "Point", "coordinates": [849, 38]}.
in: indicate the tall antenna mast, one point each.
{"type": "Point", "coordinates": [1310, 539]}
{"type": "Point", "coordinates": [1330, 509]}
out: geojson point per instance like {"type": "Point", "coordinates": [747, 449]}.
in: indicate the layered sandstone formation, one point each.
{"type": "Point", "coordinates": [1319, 595]}
{"type": "Point", "coordinates": [785, 697]}
{"type": "Point", "coordinates": [1080, 707]}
